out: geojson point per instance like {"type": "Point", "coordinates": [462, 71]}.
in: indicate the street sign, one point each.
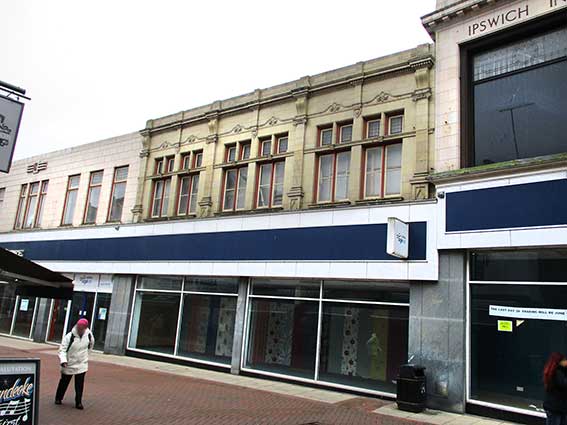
{"type": "Point", "coordinates": [397, 243]}
{"type": "Point", "coordinates": [19, 386]}
{"type": "Point", "coordinates": [10, 117]}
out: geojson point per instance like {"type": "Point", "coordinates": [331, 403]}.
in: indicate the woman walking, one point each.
{"type": "Point", "coordinates": [555, 380]}
{"type": "Point", "coordinates": [74, 360]}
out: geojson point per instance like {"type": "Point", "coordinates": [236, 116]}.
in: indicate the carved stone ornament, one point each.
{"type": "Point", "coordinates": [237, 129]}
{"type": "Point", "coordinates": [421, 94]}
{"type": "Point", "coordinates": [302, 120]}
{"type": "Point", "coordinates": [36, 167]}
{"type": "Point", "coordinates": [382, 97]}
{"type": "Point", "coordinates": [254, 132]}
{"type": "Point", "coordinates": [273, 121]}
{"type": "Point", "coordinates": [144, 153]}
{"type": "Point", "coordinates": [357, 111]}
{"type": "Point", "coordinates": [334, 107]}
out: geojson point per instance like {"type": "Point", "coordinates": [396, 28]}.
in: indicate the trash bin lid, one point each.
{"type": "Point", "coordinates": [411, 370]}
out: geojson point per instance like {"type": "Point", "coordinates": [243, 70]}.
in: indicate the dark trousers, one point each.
{"type": "Point", "coordinates": [556, 418]}
{"type": "Point", "coordinates": [64, 383]}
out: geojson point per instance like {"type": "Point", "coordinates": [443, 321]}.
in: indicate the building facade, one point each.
{"type": "Point", "coordinates": [256, 239]}
{"type": "Point", "coordinates": [500, 182]}
{"type": "Point", "coordinates": [89, 186]}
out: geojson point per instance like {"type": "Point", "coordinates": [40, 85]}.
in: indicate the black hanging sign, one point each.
{"type": "Point", "coordinates": [19, 385]}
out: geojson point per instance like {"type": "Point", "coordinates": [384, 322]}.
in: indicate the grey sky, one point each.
{"type": "Point", "coordinates": [100, 69]}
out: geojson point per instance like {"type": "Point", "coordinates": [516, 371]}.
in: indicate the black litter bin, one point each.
{"type": "Point", "coordinates": [412, 393]}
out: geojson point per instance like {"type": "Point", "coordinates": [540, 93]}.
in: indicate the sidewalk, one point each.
{"type": "Point", "coordinates": [129, 390]}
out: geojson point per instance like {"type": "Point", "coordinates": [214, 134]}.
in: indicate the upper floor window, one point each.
{"type": "Point", "coordinates": [2, 196]}
{"type": "Point", "coordinates": [333, 177]}
{"type": "Point", "coordinates": [70, 200]}
{"type": "Point", "coordinates": [372, 128]}
{"type": "Point", "coordinates": [514, 94]}
{"type": "Point", "coordinates": [30, 205]}
{"type": "Point", "coordinates": [234, 196]}
{"type": "Point", "coordinates": [118, 193]}
{"type": "Point", "coordinates": [93, 197]}
{"type": "Point", "coordinates": [186, 161]}
{"type": "Point", "coordinates": [245, 150]}
{"type": "Point", "coordinates": [325, 136]}
{"type": "Point", "coordinates": [282, 143]}
{"type": "Point", "coordinates": [188, 192]}
{"type": "Point", "coordinates": [271, 184]}
{"type": "Point", "coordinates": [395, 124]}
{"type": "Point", "coordinates": [266, 147]}
{"type": "Point", "coordinates": [198, 161]}
{"type": "Point", "coordinates": [345, 133]}
{"type": "Point", "coordinates": [231, 153]}
{"type": "Point", "coordinates": [170, 163]}
{"type": "Point", "coordinates": [160, 198]}
{"type": "Point", "coordinates": [383, 171]}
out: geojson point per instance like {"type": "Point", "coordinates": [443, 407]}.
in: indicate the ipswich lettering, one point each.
{"type": "Point", "coordinates": [498, 20]}
{"type": "Point", "coordinates": [555, 3]}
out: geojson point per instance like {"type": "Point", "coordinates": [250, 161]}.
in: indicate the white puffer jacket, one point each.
{"type": "Point", "coordinates": [77, 355]}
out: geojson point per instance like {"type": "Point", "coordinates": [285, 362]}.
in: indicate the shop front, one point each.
{"type": "Point", "coordinates": [517, 318]}
{"type": "Point", "coordinates": [91, 300]}
{"type": "Point", "coordinates": [17, 313]}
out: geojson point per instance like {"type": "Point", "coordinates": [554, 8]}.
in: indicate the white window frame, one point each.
{"type": "Point", "coordinates": [370, 121]}
{"type": "Point", "coordinates": [400, 116]}
{"type": "Point", "coordinates": [321, 132]}
{"type": "Point", "coordinates": [343, 126]}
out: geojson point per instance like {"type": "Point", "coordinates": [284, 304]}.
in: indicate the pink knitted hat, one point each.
{"type": "Point", "coordinates": [83, 322]}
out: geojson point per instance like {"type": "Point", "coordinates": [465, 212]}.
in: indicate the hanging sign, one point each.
{"type": "Point", "coordinates": [397, 243]}
{"type": "Point", "coordinates": [10, 117]}
{"type": "Point", "coordinates": [528, 313]}
{"type": "Point", "coordinates": [19, 381]}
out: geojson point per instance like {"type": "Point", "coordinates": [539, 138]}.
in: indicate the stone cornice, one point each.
{"type": "Point", "coordinates": [386, 67]}
{"type": "Point", "coordinates": [457, 10]}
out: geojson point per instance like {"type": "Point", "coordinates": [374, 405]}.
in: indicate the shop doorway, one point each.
{"type": "Point", "coordinates": [91, 300]}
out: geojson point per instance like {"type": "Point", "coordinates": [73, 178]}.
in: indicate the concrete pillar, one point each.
{"type": "Point", "coordinates": [437, 332]}
{"type": "Point", "coordinates": [41, 320]}
{"type": "Point", "coordinates": [119, 314]}
{"type": "Point", "coordinates": [239, 326]}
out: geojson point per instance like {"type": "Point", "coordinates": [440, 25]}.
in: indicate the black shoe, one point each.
{"type": "Point", "coordinates": [58, 401]}
{"type": "Point", "coordinates": [79, 406]}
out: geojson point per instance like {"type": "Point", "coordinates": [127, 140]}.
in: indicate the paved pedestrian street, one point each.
{"type": "Point", "coordinates": [147, 393]}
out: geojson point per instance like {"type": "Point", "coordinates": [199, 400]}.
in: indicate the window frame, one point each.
{"type": "Point", "coordinates": [228, 149]}
{"type": "Point", "coordinates": [170, 164]}
{"type": "Point", "coordinates": [278, 143]}
{"type": "Point", "coordinates": [236, 189]}
{"type": "Point", "coordinates": [243, 146]}
{"type": "Point", "coordinates": [468, 50]}
{"type": "Point", "coordinates": [190, 195]}
{"type": "Point", "coordinates": [383, 171]}
{"type": "Point", "coordinates": [186, 161]}
{"type": "Point", "coordinates": [394, 116]}
{"type": "Point", "coordinates": [367, 122]}
{"type": "Point", "coordinates": [272, 187]}
{"type": "Point", "coordinates": [164, 182]}
{"type": "Point", "coordinates": [113, 189]}
{"type": "Point", "coordinates": [197, 159]}
{"type": "Point", "coordinates": [322, 130]}
{"type": "Point", "coordinates": [2, 196]}
{"type": "Point", "coordinates": [340, 128]}
{"type": "Point", "coordinates": [68, 190]}
{"type": "Point", "coordinates": [262, 143]}
{"type": "Point", "coordinates": [23, 204]}
{"type": "Point", "coordinates": [89, 194]}
{"type": "Point", "coordinates": [334, 176]}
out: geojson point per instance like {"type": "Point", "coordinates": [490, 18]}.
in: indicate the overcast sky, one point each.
{"type": "Point", "coordinates": [100, 69]}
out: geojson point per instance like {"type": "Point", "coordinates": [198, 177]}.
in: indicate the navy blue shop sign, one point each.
{"type": "Point", "coordinates": [360, 242]}
{"type": "Point", "coordinates": [513, 206]}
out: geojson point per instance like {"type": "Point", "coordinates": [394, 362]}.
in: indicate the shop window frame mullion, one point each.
{"type": "Point", "coordinates": [32, 325]}
{"type": "Point", "coordinates": [16, 307]}
{"type": "Point", "coordinates": [319, 332]}
{"type": "Point", "coordinates": [179, 314]}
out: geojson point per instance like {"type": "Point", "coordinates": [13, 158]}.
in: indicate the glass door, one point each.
{"type": "Point", "coordinates": [7, 302]}
{"type": "Point", "coordinates": [81, 307]}
{"type": "Point", "coordinates": [100, 319]}
{"type": "Point", "coordinates": [23, 322]}
{"type": "Point", "coordinates": [57, 323]}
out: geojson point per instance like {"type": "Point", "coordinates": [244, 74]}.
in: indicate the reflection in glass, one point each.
{"type": "Point", "coordinates": [163, 283]}
{"type": "Point", "coordinates": [100, 319]}
{"type": "Point", "coordinates": [363, 345]}
{"type": "Point", "coordinates": [57, 323]}
{"type": "Point", "coordinates": [283, 337]}
{"type": "Point", "coordinates": [81, 307]}
{"type": "Point", "coordinates": [154, 322]}
{"type": "Point", "coordinates": [7, 301]}
{"type": "Point", "coordinates": [24, 317]}
{"type": "Point", "coordinates": [225, 285]}
{"type": "Point", "coordinates": [207, 327]}
{"type": "Point", "coordinates": [506, 367]}
{"type": "Point", "coordinates": [286, 288]}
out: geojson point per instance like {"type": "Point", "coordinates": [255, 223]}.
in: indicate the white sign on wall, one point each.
{"type": "Point", "coordinates": [85, 282]}
{"type": "Point", "coordinates": [10, 116]}
{"type": "Point", "coordinates": [528, 313]}
{"type": "Point", "coordinates": [397, 243]}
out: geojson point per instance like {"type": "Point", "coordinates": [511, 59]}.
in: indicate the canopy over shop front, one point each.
{"type": "Point", "coordinates": [31, 279]}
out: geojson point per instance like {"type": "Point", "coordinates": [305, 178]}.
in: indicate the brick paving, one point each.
{"type": "Point", "coordinates": [123, 395]}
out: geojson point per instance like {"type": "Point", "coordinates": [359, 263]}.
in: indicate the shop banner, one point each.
{"type": "Point", "coordinates": [528, 313]}
{"type": "Point", "coordinates": [19, 380]}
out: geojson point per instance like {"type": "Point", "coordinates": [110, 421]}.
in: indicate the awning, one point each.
{"type": "Point", "coordinates": [31, 279]}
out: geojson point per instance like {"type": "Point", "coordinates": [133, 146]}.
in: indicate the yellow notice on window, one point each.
{"type": "Point", "coordinates": [505, 326]}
